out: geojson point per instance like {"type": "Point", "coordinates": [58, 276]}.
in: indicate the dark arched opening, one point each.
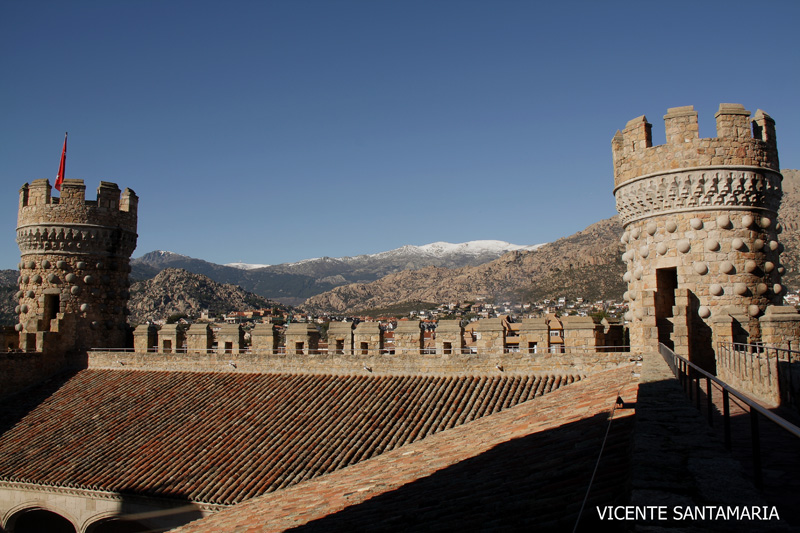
{"type": "Point", "coordinates": [117, 525]}
{"type": "Point", "coordinates": [39, 520]}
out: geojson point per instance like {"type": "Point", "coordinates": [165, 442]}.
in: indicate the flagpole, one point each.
{"type": "Point", "coordinates": [61, 167]}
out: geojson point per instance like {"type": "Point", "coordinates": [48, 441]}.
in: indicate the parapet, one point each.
{"type": "Point", "coordinates": [740, 141]}
{"type": "Point", "coordinates": [111, 209]}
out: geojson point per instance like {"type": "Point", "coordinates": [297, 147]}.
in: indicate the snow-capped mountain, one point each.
{"type": "Point", "coordinates": [292, 283]}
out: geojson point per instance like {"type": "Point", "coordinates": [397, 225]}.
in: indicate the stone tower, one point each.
{"type": "Point", "coordinates": [700, 229]}
{"type": "Point", "coordinates": [73, 285]}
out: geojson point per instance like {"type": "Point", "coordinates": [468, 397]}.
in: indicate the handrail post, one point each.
{"type": "Point", "coordinates": [709, 403]}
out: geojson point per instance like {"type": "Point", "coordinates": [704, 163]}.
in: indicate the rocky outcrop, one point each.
{"type": "Point", "coordinates": [175, 291]}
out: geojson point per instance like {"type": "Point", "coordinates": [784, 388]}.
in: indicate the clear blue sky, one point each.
{"type": "Point", "coordinates": [274, 131]}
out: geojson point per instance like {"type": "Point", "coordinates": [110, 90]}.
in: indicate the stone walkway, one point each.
{"type": "Point", "coordinates": [679, 460]}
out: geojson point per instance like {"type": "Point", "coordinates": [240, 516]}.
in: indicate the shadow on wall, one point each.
{"type": "Point", "coordinates": [535, 483]}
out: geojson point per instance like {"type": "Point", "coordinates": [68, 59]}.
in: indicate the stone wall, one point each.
{"type": "Point", "coordinates": [456, 364]}
{"type": "Point", "coordinates": [19, 370]}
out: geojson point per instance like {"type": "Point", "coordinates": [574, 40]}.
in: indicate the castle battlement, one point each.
{"type": "Point", "coordinates": [111, 209]}
{"type": "Point", "coordinates": [740, 142]}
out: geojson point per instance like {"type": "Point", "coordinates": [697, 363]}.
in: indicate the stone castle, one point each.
{"type": "Point", "coordinates": [701, 233]}
{"type": "Point", "coordinates": [177, 431]}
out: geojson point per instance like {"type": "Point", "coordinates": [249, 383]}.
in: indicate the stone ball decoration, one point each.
{"type": "Point", "coordinates": [774, 245]}
{"type": "Point", "coordinates": [761, 289]}
{"type": "Point", "coordinates": [628, 316]}
{"type": "Point", "coordinates": [88, 279]}
{"type": "Point", "coordinates": [671, 226]}
{"type": "Point", "coordinates": [61, 264]}
{"type": "Point", "coordinates": [638, 273]}
{"type": "Point", "coordinates": [624, 238]}
{"type": "Point", "coordinates": [747, 221]}
{"type": "Point", "coordinates": [753, 310]}
{"type": "Point", "coordinates": [626, 276]}
{"type": "Point", "coordinates": [51, 277]}
{"type": "Point", "coordinates": [18, 327]}
{"type": "Point", "coordinates": [781, 270]}
{"type": "Point", "coordinates": [644, 251]}
{"type": "Point", "coordinates": [25, 279]}
{"type": "Point", "coordinates": [662, 248]}
{"type": "Point", "coordinates": [30, 264]}
{"type": "Point", "coordinates": [19, 294]}
{"type": "Point", "coordinates": [737, 243]}
{"type": "Point", "coordinates": [626, 296]}
{"type": "Point", "coordinates": [777, 288]}
{"type": "Point", "coordinates": [765, 222]}
{"type": "Point", "coordinates": [696, 223]}
{"type": "Point", "coordinates": [639, 314]}
{"type": "Point", "coordinates": [71, 278]}
{"type": "Point", "coordinates": [750, 266]}
{"type": "Point", "coordinates": [684, 246]}
{"type": "Point", "coordinates": [769, 266]}
{"type": "Point", "coordinates": [75, 290]}
{"type": "Point", "coordinates": [84, 307]}
{"type": "Point", "coordinates": [23, 308]}
{"type": "Point", "coordinates": [704, 311]}
{"type": "Point", "coordinates": [701, 268]}
{"type": "Point", "coordinates": [652, 227]}
{"type": "Point", "coordinates": [45, 264]}
{"type": "Point", "coordinates": [716, 289]}
{"type": "Point", "coordinates": [95, 324]}
{"type": "Point", "coordinates": [712, 245]}
{"type": "Point", "coordinates": [18, 309]}
{"type": "Point", "coordinates": [635, 233]}
{"type": "Point", "coordinates": [36, 278]}
{"type": "Point", "coordinates": [740, 289]}
{"type": "Point", "coordinates": [726, 267]}
{"type": "Point", "coordinates": [723, 221]}
{"type": "Point", "coordinates": [758, 245]}
{"type": "Point", "coordinates": [30, 294]}
{"type": "Point", "coordinates": [99, 266]}
{"type": "Point", "coordinates": [80, 265]}
{"type": "Point", "coordinates": [778, 228]}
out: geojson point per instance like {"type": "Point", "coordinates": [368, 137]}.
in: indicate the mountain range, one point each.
{"type": "Point", "coordinates": [293, 283]}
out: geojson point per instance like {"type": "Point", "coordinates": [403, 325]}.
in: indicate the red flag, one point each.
{"type": "Point", "coordinates": [60, 177]}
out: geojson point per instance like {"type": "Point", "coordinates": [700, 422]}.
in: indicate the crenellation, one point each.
{"type": "Point", "coordinates": [740, 142]}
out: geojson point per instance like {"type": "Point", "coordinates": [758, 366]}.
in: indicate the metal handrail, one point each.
{"type": "Point", "coordinates": [683, 367]}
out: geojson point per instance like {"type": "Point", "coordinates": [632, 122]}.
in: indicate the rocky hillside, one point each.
{"type": "Point", "coordinates": [585, 264]}
{"type": "Point", "coordinates": [8, 287]}
{"type": "Point", "coordinates": [790, 219]}
{"type": "Point", "coordinates": [175, 291]}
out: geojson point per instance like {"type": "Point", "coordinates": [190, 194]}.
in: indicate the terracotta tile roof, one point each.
{"type": "Point", "coordinates": [525, 469]}
{"type": "Point", "coordinates": [225, 437]}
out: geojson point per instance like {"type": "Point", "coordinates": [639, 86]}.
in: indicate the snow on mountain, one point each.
{"type": "Point", "coordinates": [434, 249]}
{"type": "Point", "coordinates": [246, 266]}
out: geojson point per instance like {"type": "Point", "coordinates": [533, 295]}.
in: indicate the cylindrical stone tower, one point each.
{"type": "Point", "coordinates": [700, 228]}
{"type": "Point", "coordinates": [73, 285]}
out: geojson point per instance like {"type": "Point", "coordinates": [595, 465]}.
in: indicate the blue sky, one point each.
{"type": "Point", "coordinates": [275, 131]}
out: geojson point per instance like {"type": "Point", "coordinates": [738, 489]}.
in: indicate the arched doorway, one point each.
{"type": "Point", "coordinates": [37, 521]}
